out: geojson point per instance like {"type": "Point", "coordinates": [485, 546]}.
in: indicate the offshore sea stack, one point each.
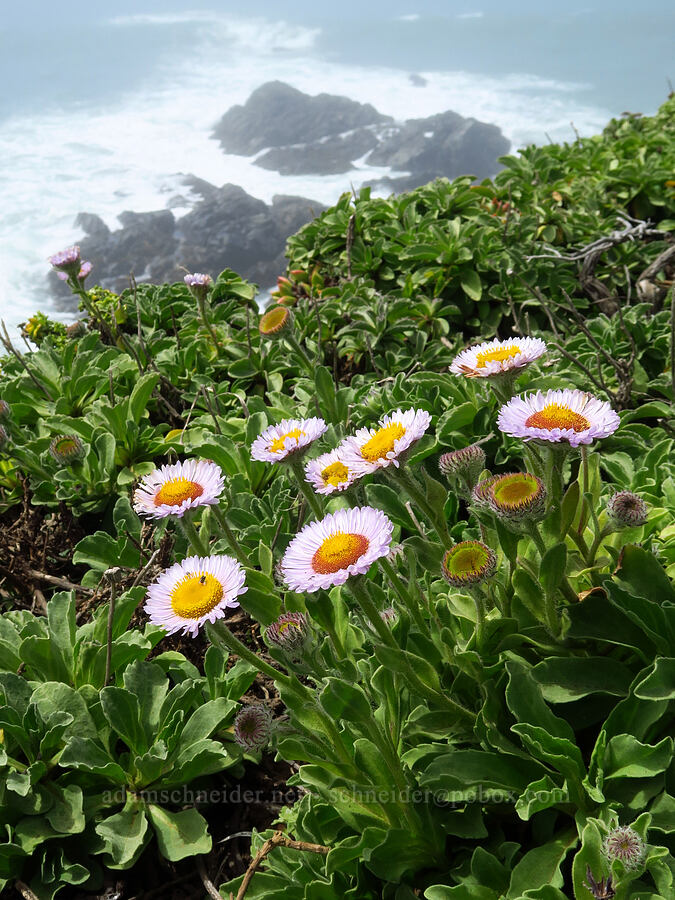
{"type": "Point", "coordinates": [296, 134]}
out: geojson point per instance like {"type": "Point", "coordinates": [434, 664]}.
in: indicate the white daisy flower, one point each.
{"type": "Point", "coordinates": [568, 415]}
{"type": "Point", "coordinates": [343, 543]}
{"type": "Point", "coordinates": [193, 592]}
{"type": "Point", "coordinates": [497, 357]}
{"type": "Point", "coordinates": [290, 436]}
{"type": "Point", "coordinates": [329, 472]}
{"type": "Point", "coordinates": [172, 490]}
{"type": "Point", "coordinates": [375, 448]}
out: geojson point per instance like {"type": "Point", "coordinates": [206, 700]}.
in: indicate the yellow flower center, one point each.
{"type": "Point", "coordinates": [335, 474]}
{"type": "Point", "coordinates": [382, 442]}
{"type": "Point", "coordinates": [554, 415]}
{"type": "Point", "coordinates": [499, 354]}
{"type": "Point", "coordinates": [470, 560]}
{"type": "Point", "coordinates": [339, 551]}
{"type": "Point", "coordinates": [196, 595]}
{"type": "Point", "coordinates": [279, 443]}
{"type": "Point", "coordinates": [513, 490]}
{"type": "Point", "coordinates": [273, 320]}
{"type": "Point", "coordinates": [176, 490]}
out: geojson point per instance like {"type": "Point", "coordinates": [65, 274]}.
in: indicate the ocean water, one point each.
{"type": "Point", "coordinates": [105, 112]}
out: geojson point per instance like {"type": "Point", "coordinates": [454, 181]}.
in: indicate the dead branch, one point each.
{"type": "Point", "coordinates": [278, 839]}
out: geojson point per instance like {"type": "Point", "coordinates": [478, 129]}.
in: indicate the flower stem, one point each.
{"type": "Point", "coordinates": [207, 323]}
{"type": "Point", "coordinates": [236, 646]}
{"type": "Point", "coordinates": [235, 546]}
{"type": "Point", "coordinates": [408, 601]}
{"type": "Point", "coordinates": [307, 492]}
{"type": "Point", "coordinates": [189, 531]}
{"type": "Point", "coordinates": [436, 518]}
{"type": "Point", "coordinates": [308, 364]}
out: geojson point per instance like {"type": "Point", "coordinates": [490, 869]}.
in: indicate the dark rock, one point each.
{"type": "Point", "coordinates": [442, 145]}
{"type": "Point", "coordinates": [92, 224]}
{"type": "Point", "coordinates": [276, 115]}
{"type": "Point", "coordinates": [228, 228]}
{"type": "Point", "coordinates": [331, 156]}
{"type": "Point", "coordinates": [325, 135]}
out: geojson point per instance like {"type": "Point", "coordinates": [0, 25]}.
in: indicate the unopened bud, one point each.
{"type": "Point", "coordinates": [626, 509]}
{"type": "Point", "coordinates": [466, 464]}
{"type": "Point", "coordinates": [66, 449]}
{"type": "Point", "coordinates": [253, 728]}
{"type": "Point", "coordinates": [290, 633]}
{"type": "Point", "coordinates": [625, 844]}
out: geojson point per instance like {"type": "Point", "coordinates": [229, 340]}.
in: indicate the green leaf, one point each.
{"type": "Point", "coordinates": [66, 813]}
{"type": "Point", "coordinates": [53, 698]}
{"type": "Point", "coordinates": [644, 575]}
{"type": "Point", "coordinates": [262, 599]}
{"type": "Point", "coordinates": [626, 757]}
{"type": "Point", "coordinates": [659, 684]}
{"type": "Point", "coordinates": [552, 568]}
{"type": "Point", "coordinates": [524, 699]}
{"type": "Point", "coordinates": [205, 720]}
{"type": "Point", "coordinates": [541, 866]}
{"type": "Point", "coordinates": [538, 795]}
{"type": "Point", "coordinates": [471, 284]}
{"type": "Point", "coordinates": [122, 711]}
{"type": "Point", "coordinates": [150, 685]}
{"type": "Point", "coordinates": [180, 834]}
{"type": "Point", "coordinates": [343, 700]}
{"type": "Point", "coordinates": [125, 835]}
{"type": "Point", "coordinates": [138, 400]}
{"type": "Point", "coordinates": [565, 679]}
{"type": "Point", "coordinates": [86, 755]}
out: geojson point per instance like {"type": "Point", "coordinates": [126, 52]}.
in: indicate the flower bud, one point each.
{"type": "Point", "coordinates": [5, 411]}
{"type": "Point", "coordinates": [626, 509]}
{"type": "Point", "coordinates": [480, 495]}
{"type": "Point", "coordinates": [518, 497]}
{"type": "Point", "coordinates": [466, 464]}
{"type": "Point", "coordinates": [4, 437]}
{"type": "Point", "coordinates": [253, 728]}
{"type": "Point", "coordinates": [389, 616]}
{"type": "Point", "coordinates": [468, 563]}
{"type": "Point", "coordinates": [291, 633]}
{"type": "Point", "coordinates": [625, 844]}
{"type": "Point", "coordinates": [66, 449]}
{"type": "Point", "coordinates": [67, 261]}
{"type": "Point", "coordinates": [275, 322]}
{"type": "Point", "coordinates": [199, 284]}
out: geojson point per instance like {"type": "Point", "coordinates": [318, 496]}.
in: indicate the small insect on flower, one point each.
{"type": "Point", "coordinates": [66, 449]}
{"type": "Point", "coordinates": [468, 563]}
{"type": "Point", "coordinates": [625, 844]}
{"type": "Point", "coordinates": [497, 357]}
{"type": "Point", "coordinates": [172, 490]}
{"type": "Point", "coordinates": [569, 416]}
{"type": "Point", "coordinates": [329, 472]}
{"type": "Point", "coordinates": [343, 543]}
{"type": "Point", "coordinates": [371, 449]}
{"type": "Point", "coordinates": [289, 437]}
{"type": "Point", "coordinates": [253, 728]}
{"type": "Point", "coordinates": [193, 592]}
{"type": "Point", "coordinates": [627, 510]}
{"type": "Point", "coordinates": [275, 322]}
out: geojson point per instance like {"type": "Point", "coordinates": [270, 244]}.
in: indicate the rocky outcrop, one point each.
{"type": "Point", "coordinates": [278, 115]}
{"type": "Point", "coordinates": [297, 134]}
{"type": "Point", "coordinates": [227, 228]}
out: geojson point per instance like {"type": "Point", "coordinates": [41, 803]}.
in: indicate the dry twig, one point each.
{"type": "Point", "coordinates": [278, 839]}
